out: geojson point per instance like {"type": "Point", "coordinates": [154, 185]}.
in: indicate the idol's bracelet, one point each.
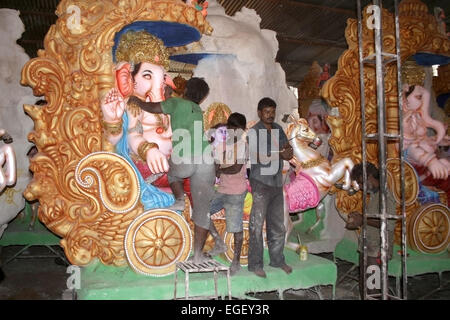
{"type": "Point", "coordinates": [144, 147]}
{"type": "Point", "coordinates": [113, 128]}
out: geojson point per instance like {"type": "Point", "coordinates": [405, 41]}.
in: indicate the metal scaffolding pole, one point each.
{"type": "Point", "coordinates": [380, 63]}
{"type": "Point", "coordinates": [381, 104]}
{"type": "Point", "coordinates": [363, 141]}
{"type": "Point", "coordinates": [402, 164]}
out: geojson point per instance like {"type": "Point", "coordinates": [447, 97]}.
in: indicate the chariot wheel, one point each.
{"type": "Point", "coordinates": [429, 228]}
{"type": "Point", "coordinates": [411, 181]}
{"type": "Point", "coordinates": [156, 240]}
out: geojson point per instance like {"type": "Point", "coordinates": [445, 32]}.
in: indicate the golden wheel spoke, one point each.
{"type": "Point", "coordinates": [426, 220]}
{"type": "Point", "coordinates": [169, 231]}
{"type": "Point", "coordinates": [159, 227]}
{"type": "Point", "coordinates": [173, 242]}
{"type": "Point", "coordinates": [424, 229]}
{"type": "Point", "coordinates": [144, 243]}
{"type": "Point", "coordinates": [158, 257]}
{"type": "Point", "coordinates": [441, 220]}
{"type": "Point", "coordinates": [434, 218]}
{"type": "Point", "coordinates": [148, 232]}
{"type": "Point", "coordinates": [427, 236]}
{"type": "Point", "coordinates": [435, 240]}
{"type": "Point", "coordinates": [149, 253]}
{"type": "Point", "coordinates": [169, 252]}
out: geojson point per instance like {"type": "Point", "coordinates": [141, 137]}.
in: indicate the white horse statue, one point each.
{"type": "Point", "coordinates": [314, 175]}
{"type": "Point", "coordinates": [8, 171]}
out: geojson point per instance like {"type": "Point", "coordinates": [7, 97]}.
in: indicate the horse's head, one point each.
{"type": "Point", "coordinates": [301, 132]}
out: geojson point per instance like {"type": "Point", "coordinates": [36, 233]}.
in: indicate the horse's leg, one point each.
{"type": "Point", "coordinates": [3, 177]}
{"type": "Point", "coordinates": [288, 225]}
{"type": "Point", "coordinates": [319, 209]}
{"type": "Point", "coordinates": [341, 169]}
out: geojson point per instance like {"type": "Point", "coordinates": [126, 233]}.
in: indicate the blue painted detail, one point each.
{"type": "Point", "coordinates": [427, 196]}
{"type": "Point", "coordinates": [430, 59]}
{"type": "Point", "coordinates": [194, 58]}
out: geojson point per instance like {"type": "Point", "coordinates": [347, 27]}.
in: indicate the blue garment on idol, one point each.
{"type": "Point", "coordinates": [151, 196]}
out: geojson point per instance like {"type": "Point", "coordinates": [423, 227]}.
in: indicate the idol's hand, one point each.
{"type": "Point", "coordinates": [113, 106]}
{"type": "Point", "coordinates": [157, 161]}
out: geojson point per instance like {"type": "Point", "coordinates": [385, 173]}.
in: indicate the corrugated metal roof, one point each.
{"type": "Point", "coordinates": [307, 30]}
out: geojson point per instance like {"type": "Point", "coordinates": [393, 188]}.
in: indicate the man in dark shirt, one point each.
{"type": "Point", "coordinates": [269, 146]}
{"type": "Point", "coordinates": [373, 238]}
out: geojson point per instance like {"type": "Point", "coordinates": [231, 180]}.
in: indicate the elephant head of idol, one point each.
{"type": "Point", "coordinates": [142, 61]}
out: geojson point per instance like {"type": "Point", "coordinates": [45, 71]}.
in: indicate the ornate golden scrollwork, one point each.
{"type": "Point", "coordinates": [91, 203]}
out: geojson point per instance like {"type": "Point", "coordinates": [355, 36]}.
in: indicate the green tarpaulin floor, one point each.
{"type": "Point", "coordinates": [106, 282]}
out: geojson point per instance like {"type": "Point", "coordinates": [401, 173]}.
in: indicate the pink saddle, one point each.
{"type": "Point", "coordinates": [301, 193]}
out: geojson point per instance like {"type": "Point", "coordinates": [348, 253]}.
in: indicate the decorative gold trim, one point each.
{"type": "Point", "coordinates": [133, 108]}
{"type": "Point", "coordinates": [413, 74]}
{"type": "Point", "coordinates": [216, 113]}
{"type": "Point", "coordinates": [113, 128]}
{"type": "Point", "coordinates": [144, 147]}
{"type": "Point", "coordinates": [312, 163]}
{"type": "Point", "coordinates": [140, 46]}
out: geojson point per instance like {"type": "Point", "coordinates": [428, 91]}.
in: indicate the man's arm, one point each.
{"type": "Point", "coordinates": [152, 107]}
{"type": "Point", "coordinates": [287, 152]}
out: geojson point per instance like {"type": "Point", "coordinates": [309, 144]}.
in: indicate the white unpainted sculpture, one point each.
{"type": "Point", "coordinates": [246, 71]}
{"type": "Point", "coordinates": [12, 116]}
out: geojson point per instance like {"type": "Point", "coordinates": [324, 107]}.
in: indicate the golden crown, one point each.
{"type": "Point", "coordinates": [140, 46]}
{"type": "Point", "coordinates": [216, 113]}
{"type": "Point", "coordinates": [413, 74]}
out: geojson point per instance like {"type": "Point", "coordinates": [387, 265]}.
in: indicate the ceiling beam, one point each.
{"type": "Point", "coordinates": [350, 13]}
{"type": "Point", "coordinates": [313, 42]}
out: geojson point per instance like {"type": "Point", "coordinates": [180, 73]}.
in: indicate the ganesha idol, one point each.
{"type": "Point", "coordinates": [420, 148]}
{"type": "Point", "coordinates": [143, 138]}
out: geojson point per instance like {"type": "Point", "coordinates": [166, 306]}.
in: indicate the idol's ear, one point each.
{"type": "Point", "coordinates": [124, 80]}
